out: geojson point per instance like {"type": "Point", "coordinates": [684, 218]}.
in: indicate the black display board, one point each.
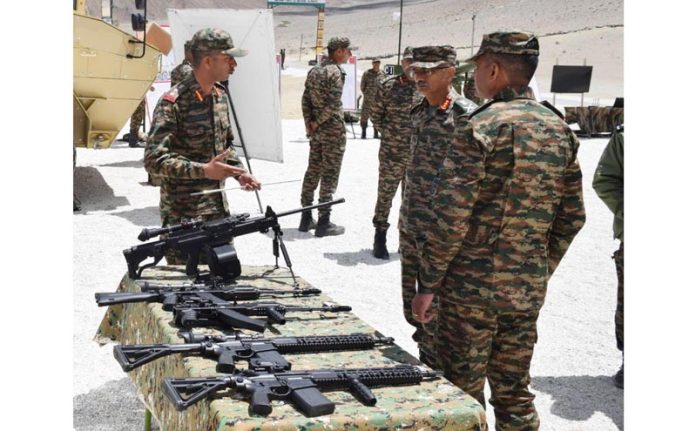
{"type": "Point", "coordinates": [571, 79]}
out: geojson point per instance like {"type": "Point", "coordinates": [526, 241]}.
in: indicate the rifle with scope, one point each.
{"type": "Point", "coordinates": [263, 354]}
{"type": "Point", "coordinates": [301, 388]}
{"type": "Point", "coordinates": [212, 240]}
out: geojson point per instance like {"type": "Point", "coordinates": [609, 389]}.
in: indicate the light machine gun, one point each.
{"type": "Point", "coordinates": [212, 239]}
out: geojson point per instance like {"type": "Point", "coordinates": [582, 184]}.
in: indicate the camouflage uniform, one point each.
{"type": "Point", "coordinates": [432, 133]}
{"type": "Point", "coordinates": [188, 129]}
{"type": "Point", "coordinates": [180, 72]}
{"type": "Point", "coordinates": [369, 85]}
{"type": "Point", "coordinates": [396, 97]}
{"type": "Point", "coordinates": [505, 203]}
{"type": "Point", "coordinates": [608, 183]}
{"type": "Point", "coordinates": [321, 102]}
{"type": "Point", "coordinates": [136, 122]}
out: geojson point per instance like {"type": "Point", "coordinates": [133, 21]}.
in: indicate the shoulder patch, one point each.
{"type": "Point", "coordinates": [172, 94]}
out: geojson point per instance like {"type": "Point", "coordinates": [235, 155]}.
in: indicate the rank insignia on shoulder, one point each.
{"type": "Point", "coordinates": [171, 95]}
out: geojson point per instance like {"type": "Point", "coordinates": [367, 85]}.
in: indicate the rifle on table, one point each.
{"type": "Point", "coordinates": [190, 314]}
{"type": "Point", "coordinates": [302, 388]}
{"type": "Point", "coordinates": [263, 354]}
{"type": "Point", "coordinates": [212, 238]}
{"type": "Point", "coordinates": [169, 296]}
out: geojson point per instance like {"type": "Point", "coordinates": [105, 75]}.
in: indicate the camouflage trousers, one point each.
{"type": "Point", "coordinates": [326, 148]}
{"type": "Point", "coordinates": [619, 314]}
{"type": "Point", "coordinates": [475, 343]}
{"type": "Point", "coordinates": [366, 111]}
{"type": "Point", "coordinates": [425, 333]}
{"type": "Point", "coordinates": [137, 118]}
{"type": "Point", "coordinates": [393, 160]}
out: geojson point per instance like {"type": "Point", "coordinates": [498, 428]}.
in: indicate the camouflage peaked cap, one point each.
{"type": "Point", "coordinates": [408, 53]}
{"type": "Point", "coordinates": [513, 42]}
{"type": "Point", "coordinates": [434, 56]}
{"type": "Point", "coordinates": [214, 39]}
{"type": "Point", "coordinates": [339, 42]}
{"type": "Point", "coordinates": [187, 45]}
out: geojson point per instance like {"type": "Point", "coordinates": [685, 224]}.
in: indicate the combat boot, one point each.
{"type": "Point", "coordinates": [134, 142]}
{"type": "Point", "coordinates": [379, 248]}
{"type": "Point", "coordinates": [307, 222]}
{"type": "Point", "coordinates": [376, 134]}
{"type": "Point", "coordinates": [326, 228]}
{"type": "Point", "coordinates": [619, 377]}
{"type": "Point", "coordinates": [364, 132]}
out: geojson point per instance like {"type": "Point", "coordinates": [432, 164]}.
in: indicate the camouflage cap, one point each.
{"type": "Point", "coordinates": [187, 45]}
{"type": "Point", "coordinates": [512, 42]}
{"type": "Point", "coordinates": [408, 53]}
{"type": "Point", "coordinates": [214, 39]}
{"type": "Point", "coordinates": [339, 42]}
{"type": "Point", "coordinates": [434, 56]}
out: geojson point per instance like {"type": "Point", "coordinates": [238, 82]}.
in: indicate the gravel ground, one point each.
{"type": "Point", "coordinates": [574, 358]}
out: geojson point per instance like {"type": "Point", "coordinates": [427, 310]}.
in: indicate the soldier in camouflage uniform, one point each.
{"type": "Point", "coordinates": [135, 122]}
{"type": "Point", "coordinates": [323, 116]}
{"type": "Point", "coordinates": [432, 70]}
{"type": "Point", "coordinates": [184, 69]}
{"type": "Point", "coordinates": [506, 202]}
{"type": "Point", "coordinates": [608, 183]}
{"type": "Point", "coordinates": [189, 143]}
{"type": "Point", "coordinates": [369, 85]}
{"type": "Point", "coordinates": [391, 113]}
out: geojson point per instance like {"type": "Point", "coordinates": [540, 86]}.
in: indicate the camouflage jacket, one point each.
{"type": "Point", "coordinates": [510, 186]}
{"type": "Point", "coordinates": [369, 83]}
{"type": "Point", "coordinates": [321, 99]}
{"type": "Point", "coordinates": [432, 136]}
{"type": "Point", "coordinates": [180, 72]}
{"type": "Point", "coordinates": [608, 180]}
{"type": "Point", "coordinates": [391, 111]}
{"type": "Point", "coordinates": [188, 129]}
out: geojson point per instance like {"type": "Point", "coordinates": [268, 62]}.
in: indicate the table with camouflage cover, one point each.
{"type": "Point", "coordinates": [595, 119]}
{"type": "Point", "coordinates": [436, 404]}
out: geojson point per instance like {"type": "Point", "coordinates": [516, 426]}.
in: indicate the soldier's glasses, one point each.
{"type": "Point", "coordinates": [413, 71]}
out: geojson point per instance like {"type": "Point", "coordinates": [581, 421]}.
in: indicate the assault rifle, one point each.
{"type": "Point", "coordinates": [302, 388]}
{"type": "Point", "coordinates": [263, 354]}
{"type": "Point", "coordinates": [169, 296]}
{"type": "Point", "coordinates": [212, 239]}
{"type": "Point", "coordinates": [189, 314]}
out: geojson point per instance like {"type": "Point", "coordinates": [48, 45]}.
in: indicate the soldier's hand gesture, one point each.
{"type": "Point", "coordinates": [218, 169]}
{"type": "Point", "coordinates": [249, 182]}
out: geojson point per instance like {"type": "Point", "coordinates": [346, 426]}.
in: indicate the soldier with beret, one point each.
{"type": "Point", "coordinates": [391, 114]}
{"type": "Point", "coordinates": [506, 203]}
{"type": "Point", "coordinates": [322, 110]}
{"type": "Point", "coordinates": [369, 86]}
{"type": "Point", "coordinates": [432, 120]}
{"type": "Point", "coordinates": [189, 142]}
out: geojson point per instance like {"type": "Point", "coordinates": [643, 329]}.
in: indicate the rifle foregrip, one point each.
{"type": "Point", "coordinates": [275, 316]}
{"type": "Point", "coordinates": [362, 392]}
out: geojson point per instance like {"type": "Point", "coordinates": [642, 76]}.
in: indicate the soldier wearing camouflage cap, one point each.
{"type": "Point", "coordinates": [322, 110]}
{"type": "Point", "coordinates": [368, 85]}
{"type": "Point", "coordinates": [189, 145]}
{"type": "Point", "coordinates": [184, 68]}
{"type": "Point", "coordinates": [391, 114]}
{"type": "Point", "coordinates": [432, 70]}
{"type": "Point", "coordinates": [505, 205]}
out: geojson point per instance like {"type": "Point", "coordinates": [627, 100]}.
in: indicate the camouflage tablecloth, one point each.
{"type": "Point", "coordinates": [436, 405]}
{"type": "Point", "coordinates": [595, 119]}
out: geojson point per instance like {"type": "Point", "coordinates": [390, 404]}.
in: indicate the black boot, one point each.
{"type": "Point", "coordinates": [364, 131]}
{"type": "Point", "coordinates": [307, 223]}
{"type": "Point", "coordinates": [134, 142]}
{"type": "Point", "coordinates": [379, 249]}
{"type": "Point", "coordinates": [376, 134]}
{"type": "Point", "coordinates": [619, 377]}
{"type": "Point", "coordinates": [326, 228]}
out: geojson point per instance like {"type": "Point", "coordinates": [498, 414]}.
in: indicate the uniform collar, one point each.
{"type": "Point", "coordinates": [508, 93]}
